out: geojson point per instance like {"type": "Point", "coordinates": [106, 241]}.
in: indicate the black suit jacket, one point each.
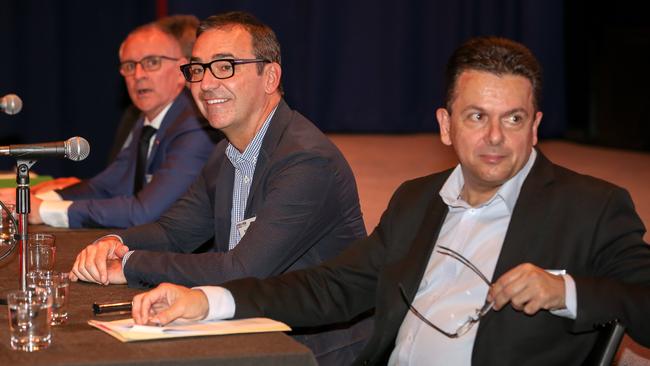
{"type": "Point", "coordinates": [305, 201]}
{"type": "Point", "coordinates": [562, 220]}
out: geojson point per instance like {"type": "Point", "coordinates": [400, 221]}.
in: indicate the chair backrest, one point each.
{"type": "Point", "coordinates": [609, 339]}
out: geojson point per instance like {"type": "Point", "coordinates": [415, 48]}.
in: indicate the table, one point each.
{"type": "Point", "coordinates": [77, 343]}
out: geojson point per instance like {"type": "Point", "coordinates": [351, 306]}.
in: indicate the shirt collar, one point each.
{"type": "Point", "coordinates": [508, 192]}
{"type": "Point", "coordinates": [253, 149]}
{"type": "Point", "coordinates": [155, 123]}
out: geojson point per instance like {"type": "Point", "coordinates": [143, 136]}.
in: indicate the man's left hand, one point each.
{"type": "Point", "coordinates": [528, 288]}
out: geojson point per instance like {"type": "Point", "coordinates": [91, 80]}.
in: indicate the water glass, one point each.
{"type": "Point", "coordinates": [57, 286]}
{"type": "Point", "coordinates": [42, 252]}
{"type": "Point", "coordinates": [29, 319]}
{"type": "Point", "coordinates": [7, 229]}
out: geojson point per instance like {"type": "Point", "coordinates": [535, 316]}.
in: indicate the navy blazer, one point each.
{"type": "Point", "coordinates": [305, 201]}
{"type": "Point", "coordinates": [562, 220]}
{"type": "Point", "coordinates": [182, 145]}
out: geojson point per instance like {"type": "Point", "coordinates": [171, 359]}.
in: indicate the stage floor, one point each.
{"type": "Point", "coordinates": [381, 162]}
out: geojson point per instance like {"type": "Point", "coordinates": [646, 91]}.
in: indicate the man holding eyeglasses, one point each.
{"type": "Point", "coordinates": [507, 259]}
{"type": "Point", "coordinates": [275, 196]}
{"type": "Point", "coordinates": [164, 152]}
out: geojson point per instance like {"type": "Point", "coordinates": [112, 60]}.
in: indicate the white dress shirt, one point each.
{"type": "Point", "coordinates": [54, 210]}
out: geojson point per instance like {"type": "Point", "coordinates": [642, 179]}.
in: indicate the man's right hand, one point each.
{"type": "Point", "coordinates": [91, 263]}
{"type": "Point", "coordinates": [167, 303]}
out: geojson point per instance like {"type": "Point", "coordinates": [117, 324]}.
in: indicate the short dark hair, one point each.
{"type": "Point", "coordinates": [265, 43]}
{"type": "Point", "coordinates": [182, 28]}
{"type": "Point", "coordinates": [499, 56]}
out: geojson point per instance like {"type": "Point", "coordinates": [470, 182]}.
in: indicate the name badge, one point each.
{"type": "Point", "coordinates": [243, 225]}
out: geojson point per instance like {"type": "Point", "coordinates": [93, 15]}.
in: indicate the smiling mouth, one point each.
{"type": "Point", "coordinates": [216, 101]}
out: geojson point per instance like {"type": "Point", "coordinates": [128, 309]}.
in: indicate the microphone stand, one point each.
{"type": "Point", "coordinates": [22, 209]}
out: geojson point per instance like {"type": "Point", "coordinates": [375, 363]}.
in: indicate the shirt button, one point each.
{"type": "Point", "coordinates": [409, 338]}
{"type": "Point", "coordinates": [246, 179]}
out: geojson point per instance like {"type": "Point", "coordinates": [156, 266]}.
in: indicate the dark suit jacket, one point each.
{"type": "Point", "coordinates": [562, 220]}
{"type": "Point", "coordinates": [305, 201]}
{"type": "Point", "coordinates": [183, 144]}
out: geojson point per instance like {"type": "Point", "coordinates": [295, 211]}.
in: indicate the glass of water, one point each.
{"type": "Point", "coordinates": [42, 251]}
{"type": "Point", "coordinates": [29, 319]}
{"type": "Point", "coordinates": [57, 286]}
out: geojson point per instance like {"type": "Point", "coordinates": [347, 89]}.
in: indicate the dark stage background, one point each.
{"type": "Point", "coordinates": [350, 66]}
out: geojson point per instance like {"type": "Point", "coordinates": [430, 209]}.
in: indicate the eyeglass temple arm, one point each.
{"type": "Point", "coordinates": [420, 316]}
{"type": "Point", "coordinates": [459, 257]}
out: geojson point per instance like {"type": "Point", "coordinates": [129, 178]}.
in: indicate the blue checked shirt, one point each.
{"type": "Point", "coordinates": [244, 164]}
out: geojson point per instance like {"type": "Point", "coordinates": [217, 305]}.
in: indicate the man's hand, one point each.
{"type": "Point", "coordinates": [528, 288]}
{"type": "Point", "coordinates": [8, 195]}
{"type": "Point", "coordinates": [167, 303]}
{"type": "Point", "coordinates": [58, 183]}
{"type": "Point", "coordinates": [34, 213]}
{"type": "Point", "coordinates": [101, 262]}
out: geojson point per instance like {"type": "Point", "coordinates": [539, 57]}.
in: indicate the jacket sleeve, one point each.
{"type": "Point", "coordinates": [620, 285]}
{"type": "Point", "coordinates": [300, 206]}
{"type": "Point", "coordinates": [185, 156]}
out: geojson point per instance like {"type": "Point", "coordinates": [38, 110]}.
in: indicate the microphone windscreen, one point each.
{"type": "Point", "coordinates": [77, 148]}
{"type": "Point", "coordinates": [12, 104]}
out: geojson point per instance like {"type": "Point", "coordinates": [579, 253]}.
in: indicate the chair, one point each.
{"type": "Point", "coordinates": [607, 343]}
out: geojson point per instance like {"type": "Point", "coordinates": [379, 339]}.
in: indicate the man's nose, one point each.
{"type": "Point", "coordinates": [209, 82]}
{"type": "Point", "coordinates": [494, 134]}
{"type": "Point", "coordinates": [139, 71]}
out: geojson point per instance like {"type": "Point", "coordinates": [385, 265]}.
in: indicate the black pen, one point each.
{"type": "Point", "coordinates": [112, 307]}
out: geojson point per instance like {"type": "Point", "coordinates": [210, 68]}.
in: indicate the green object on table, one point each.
{"type": "Point", "coordinates": [11, 183]}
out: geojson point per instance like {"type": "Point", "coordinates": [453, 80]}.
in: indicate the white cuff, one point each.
{"type": "Point", "coordinates": [221, 304]}
{"type": "Point", "coordinates": [55, 213]}
{"type": "Point", "coordinates": [570, 299]}
{"type": "Point", "coordinates": [49, 196]}
{"type": "Point", "coordinates": [125, 258]}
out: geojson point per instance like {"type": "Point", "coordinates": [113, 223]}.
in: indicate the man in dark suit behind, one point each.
{"type": "Point", "coordinates": [565, 251]}
{"type": "Point", "coordinates": [150, 57]}
{"type": "Point", "coordinates": [275, 196]}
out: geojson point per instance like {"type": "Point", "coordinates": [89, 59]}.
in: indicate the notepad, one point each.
{"type": "Point", "coordinates": [127, 331]}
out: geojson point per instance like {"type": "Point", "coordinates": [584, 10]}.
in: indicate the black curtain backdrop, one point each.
{"type": "Point", "coordinates": [350, 66]}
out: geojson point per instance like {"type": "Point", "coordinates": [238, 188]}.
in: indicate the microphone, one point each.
{"type": "Point", "coordinates": [11, 104]}
{"type": "Point", "coordinates": [75, 148]}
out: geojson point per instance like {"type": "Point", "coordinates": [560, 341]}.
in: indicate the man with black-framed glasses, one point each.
{"type": "Point", "coordinates": [276, 195]}
{"type": "Point", "coordinates": [162, 151]}
{"type": "Point", "coordinates": [505, 259]}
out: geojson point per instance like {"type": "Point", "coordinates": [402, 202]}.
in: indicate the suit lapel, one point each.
{"type": "Point", "coordinates": [222, 178]}
{"type": "Point", "coordinates": [412, 266]}
{"type": "Point", "coordinates": [174, 113]}
{"type": "Point", "coordinates": [530, 210]}
{"type": "Point", "coordinates": [408, 271]}
{"type": "Point", "coordinates": [277, 126]}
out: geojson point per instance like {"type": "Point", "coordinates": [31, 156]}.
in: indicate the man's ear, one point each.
{"type": "Point", "coordinates": [272, 74]}
{"type": "Point", "coordinates": [444, 121]}
{"type": "Point", "coordinates": [536, 122]}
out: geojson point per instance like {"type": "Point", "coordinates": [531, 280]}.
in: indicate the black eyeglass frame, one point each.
{"type": "Point", "coordinates": [135, 63]}
{"type": "Point", "coordinates": [185, 69]}
{"type": "Point", "coordinates": [472, 319]}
